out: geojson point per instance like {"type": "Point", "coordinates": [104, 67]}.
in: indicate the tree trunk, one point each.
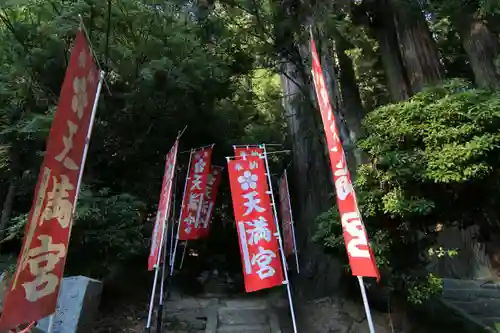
{"type": "Point", "coordinates": [384, 30]}
{"type": "Point", "coordinates": [7, 207]}
{"type": "Point", "coordinates": [330, 73]}
{"type": "Point", "coordinates": [351, 99]}
{"type": "Point", "coordinates": [482, 48]}
{"type": "Point", "coordinates": [418, 47]}
{"type": "Point", "coordinates": [8, 202]}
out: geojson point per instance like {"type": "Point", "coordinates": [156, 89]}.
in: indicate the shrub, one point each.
{"type": "Point", "coordinates": [434, 164]}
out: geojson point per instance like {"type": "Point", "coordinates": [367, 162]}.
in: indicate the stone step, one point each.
{"type": "Point", "coordinates": [481, 308]}
{"type": "Point", "coordinates": [490, 321]}
{"type": "Point", "coordinates": [186, 303]}
{"type": "Point", "coordinates": [471, 294]}
{"type": "Point", "coordinates": [244, 303]}
{"type": "Point", "coordinates": [468, 284]}
{"type": "Point", "coordinates": [243, 315]}
{"type": "Point", "coordinates": [244, 329]}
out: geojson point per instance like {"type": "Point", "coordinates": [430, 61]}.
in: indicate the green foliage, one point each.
{"type": "Point", "coordinates": [329, 233]}
{"type": "Point", "coordinates": [457, 7]}
{"type": "Point", "coordinates": [109, 227]}
{"type": "Point", "coordinates": [107, 231]}
{"type": "Point", "coordinates": [367, 63]}
{"type": "Point", "coordinates": [419, 292]}
{"type": "Point", "coordinates": [434, 164]}
{"type": "Point", "coordinates": [214, 68]}
{"type": "Point", "coordinates": [168, 66]}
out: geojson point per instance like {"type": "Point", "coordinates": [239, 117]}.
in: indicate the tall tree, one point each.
{"type": "Point", "coordinates": [379, 17]}
{"type": "Point", "coordinates": [419, 50]}
{"type": "Point", "coordinates": [479, 41]}
{"type": "Point", "coordinates": [354, 111]}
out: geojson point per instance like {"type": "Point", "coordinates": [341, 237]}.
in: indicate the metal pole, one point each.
{"type": "Point", "coordinates": [283, 259]}
{"type": "Point", "coordinates": [157, 266]}
{"type": "Point", "coordinates": [188, 151]}
{"type": "Point", "coordinates": [269, 153]}
{"type": "Point", "coordinates": [87, 139]}
{"type": "Point", "coordinates": [367, 306]}
{"type": "Point", "coordinates": [171, 250]}
{"type": "Point", "coordinates": [172, 230]}
{"type": "Point", "coordinates": [291, 223]}
{"type": "Point", "coordinates": [279, 152]}
{"type": "Point", "coordinates": [50, 329]}
{"type": "Point", "coordinates": [172, 264]}
{"type": "Point", "coordinates": [163, 275]}
{"type": "Point", "coordinates": [153, 289]}
{"type": "Point", "coordinates": [267, 144]}
{"type": "Point", "coordinates": [87, 37]}
{"type": "Point", "coordinates": [162, 283]}
{"type": "Point", "coordinates": [246, 146]}
{"type": "Point", "coordinates": [183, 254]}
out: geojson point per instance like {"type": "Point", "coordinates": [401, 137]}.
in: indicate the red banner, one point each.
{"type": "Point", "coordinates": [194, 194]}
{"type": "Point", "coordinates": [286, 215]}
{"type": "Point", "coordinates": [254, 151]}
{"type": "Point", "coordinates": [361, 258]}
{"type": "Point", "coordinates": [213, 183]}
{"type": "Point", "coordinates": [35, 285]}
{"type": "Point", "coordinates": [164, 206]}
{"type": "Point", "coordinates": [255, 224]}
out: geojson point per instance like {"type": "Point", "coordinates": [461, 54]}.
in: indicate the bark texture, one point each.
{"type": "Point", "coordinates": [384, 29]}
{"type": "Point", "coordinates": [7, 207]}
{"type": "Point", "coordinates": [351, 98]}
{"type": "Point", "coordinates": [483, 49]}
{"type": "Point", "coordinates": [310, 185]}
{"type": "Point", "coordinates": [418, 47]}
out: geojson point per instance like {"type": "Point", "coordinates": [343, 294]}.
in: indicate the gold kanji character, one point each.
{"type": "Point", "coordinates": [68, 144]}
{"type": "Point", "coordinates": [42, 261]}
{"type": "Point", "coordinates": [58, 206]}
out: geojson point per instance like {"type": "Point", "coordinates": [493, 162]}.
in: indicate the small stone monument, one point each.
{"type": "Point", "coordinates": [77, 306]}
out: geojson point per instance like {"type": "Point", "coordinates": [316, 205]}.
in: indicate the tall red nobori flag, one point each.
{"type": "Point", "coordinates": [196, 186]}
{"type": "Point", "coordinates": [249, 151]}
{"type": "Point", "coordinates": [286, 217]}
{"type": "Point", "coordinates": [36, 281]}
{"type": "Point", "coordinates": [361, 257]}
{"type": "Point", "coordinates": [213, 183]}
{"type": "Point", "coordinates": [255, 224]}
{"type": "Point", "coordinates": [164, 206]}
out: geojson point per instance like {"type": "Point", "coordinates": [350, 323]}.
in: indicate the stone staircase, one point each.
{"type": "Point", "coordinates": [211, 313]}
{"type": "Point", "coordinates": [246, 316]}
{"type": "Point", "coordinates": [477, 301]}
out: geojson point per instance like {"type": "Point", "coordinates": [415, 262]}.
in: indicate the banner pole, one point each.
{"type": "Point", "coordinates": [50, 329]}
{"type": "Point", "coordinates": [367, 306]}
{"type": "Point", "coordinates": [87, 139]}
{"type": "Point", "coordinates": [172, 236]}
{"type": "Point", "coordinates": [172, 229]}
{"type": "Point", "coordinates": [159, 314]}
{"type": "Point", "coordinates": [278, 235]}
{"type": "Point", "coordinates": [172, 264]}
{"type": "Point", "coordinates": [158, 259]}
{"type": "Point", "coordinates": [257, 145]}
{"type": "Point", "coordinates": [291, 223]}
{"type": "Point", "coordinates": [153, 288]}
{"type": "Point", "coordinates": [183, 254]}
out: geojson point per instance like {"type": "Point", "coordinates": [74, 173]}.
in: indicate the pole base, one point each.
{"type": "Point", "coordinates": [159, 318]}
